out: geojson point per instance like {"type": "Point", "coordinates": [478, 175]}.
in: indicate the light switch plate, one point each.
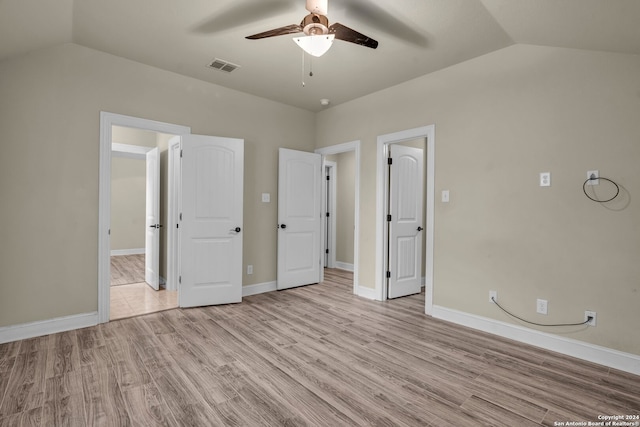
{"type": "Point", "coordinates": [445, 196]}
{"type": "Point", "coordinates": [266, 198]}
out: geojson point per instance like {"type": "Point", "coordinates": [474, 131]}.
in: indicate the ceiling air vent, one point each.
{"type": "Point", "coordinates": [222, 65]}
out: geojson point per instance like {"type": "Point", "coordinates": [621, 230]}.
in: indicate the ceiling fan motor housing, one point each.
{"type": "Point", "coordinates": [315, 25]}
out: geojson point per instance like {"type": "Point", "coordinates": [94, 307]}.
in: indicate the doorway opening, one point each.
{"type": "Point", "coordinates": [384, 143]}
{"type": "Point", "coordinates": [111, 124]}
{"type": "Point", "coordinates": [137, 237]}
{"type": "Point", "coordinates": [341, 205]}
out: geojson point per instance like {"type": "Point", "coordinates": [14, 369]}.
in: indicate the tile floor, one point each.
{"type": "Point", "coordinates": [140, 298]}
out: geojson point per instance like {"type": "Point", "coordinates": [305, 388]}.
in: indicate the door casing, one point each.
{"type": "Point", "coordinates": [107, 120]}
{"type": "Point", "coordinates": [138, 152]}
{"type": "Point", "coordinates": [383, 142]}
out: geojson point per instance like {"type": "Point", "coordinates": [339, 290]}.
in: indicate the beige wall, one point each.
{"type": "Point", "coordinates": [131, 136]}
{"type": "Point", "coordinates": [50, 123]}
{"type": "Point", "coordinates": [128, 190]}
{"type": "Point", "coordinates": [128, 196]}
{"type": "Point", "coordinates": [501, 119]}
{"type": "Point", "coordinates": [345, 204]}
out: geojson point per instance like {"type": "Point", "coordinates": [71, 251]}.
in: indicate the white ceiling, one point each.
{"type": "Point", "coordinates": [416, 37]}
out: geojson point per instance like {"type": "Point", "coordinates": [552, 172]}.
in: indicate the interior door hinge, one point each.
{"type": "Point", "coordinates": [388, 275]}
{"type": "Point", "coordinates": [327, 214]}
{"type": "Point", "coordinates": [180, 216]}
{"type": "Point", "coordinates": [181, 153]}
{"type": "Point", "coordinates": [389, 161]}
{"type": "Point", "coordinates": [179, 279]}
{"type": "Point", "coordinates": [328, 178]}
{"type": "Point", "coordinates": [326, 251]}
{"type": "Point", "coordinates": [388, 218]}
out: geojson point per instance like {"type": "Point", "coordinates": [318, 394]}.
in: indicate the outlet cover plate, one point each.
{"type": "Point", "coordinates": [593, 181]}
{"type": "Point", "coordinates": [541, 306]}
{"type": "Point", "coordinates": [494, 295]}
{"type": "Point", "coordinates": [545, 179]}
{"type": "Point", "coordinates": [593, 317]}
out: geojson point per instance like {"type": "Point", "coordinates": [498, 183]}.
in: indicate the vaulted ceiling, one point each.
{"type": "Point", "coordinates": [415, 37]}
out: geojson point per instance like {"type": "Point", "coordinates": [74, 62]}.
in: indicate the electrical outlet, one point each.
{"type": "Point", "coordinates": [493, 296]}
{"type": "Point", "coordinates": [545, 179]}
{"type": "Point", "coordinates": [249, 269]}
{"type": "Point", "coordinates": [541, 306]}
{"type": "Point", "coordinates": [591, 175]}
{"type": "Point", "coordinates": [591, 314]}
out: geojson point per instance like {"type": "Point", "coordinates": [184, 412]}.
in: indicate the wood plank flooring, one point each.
{"type": "Point", "coordinates": [311, 356]}
{"type": "Point", "coordinates": [126, 269]}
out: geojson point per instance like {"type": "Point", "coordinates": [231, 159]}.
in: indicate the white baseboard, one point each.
{"type": "Point", "coordinates": [581, 350]}
{"type": "Point", "coordinates": [369, 293]}
{"type": "Point", "coordinates": [46, 327]}
{"type": "Point", "coordinates": [258, 288]}
{"type": "Point", "coordinates": [134, 251]}
{"type": "Point", "coordinates": [344, 266]}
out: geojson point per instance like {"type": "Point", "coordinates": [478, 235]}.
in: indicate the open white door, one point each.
{"type": "Point", "coordinates": [152, 234]}
{"type": "Point", "coordinates": [299, 218]}
{"type": "Point", "coordinates": [405, 227]}
{"type": "Point", "coordinates": [211, 225]}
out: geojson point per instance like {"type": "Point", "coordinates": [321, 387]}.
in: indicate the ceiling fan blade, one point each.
{"type": "Point", "coordinates": [289, 29]}
{"type": "Point", "coordinates": [347, 34]}
{"type": "Point", "coordinates": [376, 16]}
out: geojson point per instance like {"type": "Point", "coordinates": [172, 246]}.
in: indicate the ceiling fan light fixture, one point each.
{"type": "Point", "coordinates": [316, 45]}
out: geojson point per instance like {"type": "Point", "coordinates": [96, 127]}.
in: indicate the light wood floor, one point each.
{"type": "Point", "coordinates": [315, 356]}
{"type": "Point", "coordinates": [130, 295]}
{"type": "Point", "coordinates": [127, 269]}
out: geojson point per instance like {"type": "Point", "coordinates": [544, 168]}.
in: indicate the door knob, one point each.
{"type": "Point", "coordinates": [420, 228]}
{"type": "Point", "coordinates": [155, 226]}
{"type": "Point", "coordinates": [283, 225]}
{"type": "Point", "coordinates": [237, 229]}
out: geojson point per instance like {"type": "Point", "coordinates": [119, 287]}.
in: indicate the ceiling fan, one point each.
{"type": "Point", "coordinates": [319, 35]}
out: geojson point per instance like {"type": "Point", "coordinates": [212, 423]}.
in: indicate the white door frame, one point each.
{"type": "Point", "coordinates": [134, 152]}
{"type": "Point", "coordinates": [174, 180]}
{"type": "Point", "coordinates": [331, 170]}
{"type": "Point", "coordinates": [337, 149]}
{"type": "Point", "coordinates": [107, 120]}
{"type": "Point", "coordinates": [384, 141]}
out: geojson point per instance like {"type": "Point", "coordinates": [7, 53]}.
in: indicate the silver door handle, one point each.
{"type": "Point", "coordinates": [237, 229]}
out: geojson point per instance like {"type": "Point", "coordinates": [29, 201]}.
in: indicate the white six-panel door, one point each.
{"type": "Point", "coordinates": [211, 225]}
{"type": "Point", "coordinates": [152, 223]}
{"type": "Point", "coordinates": [405, 227]}
{"type": "Point", "coordinates": [299, 218]}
